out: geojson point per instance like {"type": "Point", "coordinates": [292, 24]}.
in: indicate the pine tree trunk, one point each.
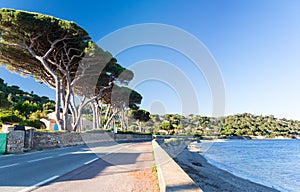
{"type": "Point", "coordinates": [140, 124]}
{"type": "Point", "coordinates": [110, 119]}
{"type": "Point", "coordinates": [100, 117]}
{"type": "Point", "coordinates": [94, 115]}
{"type": "Point", "coordinates": [57, 104]}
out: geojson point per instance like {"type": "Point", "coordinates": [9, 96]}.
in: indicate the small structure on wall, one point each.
{"type": "Point", "coordinates": [51, 124]}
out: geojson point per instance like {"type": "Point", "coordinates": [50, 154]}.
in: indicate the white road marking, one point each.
{"type": "Point", "coordinates": [119, 149]}
{"type": "Point", "coordinates": [81, 152]}
{"type": "Point", "coordinates": [59, 149]}
{"type": "Point", "coordinates": [7, 155]}
{"type": "Point", "coordinates": [40, 159]}
{"type": "Point", "coordinates": [91, 161]}
{"type": "Point", "coordinates": [9, 165]}
{"type": "Point", "coordinates": [63, 154]}
{"type": "Point", "coordinates": [39, 184]}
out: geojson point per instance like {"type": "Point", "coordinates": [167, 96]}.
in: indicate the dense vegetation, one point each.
{"type": "Point", "coordinates": [245, 124]}
{"type": "Point", "coordinates": [17, 106]}
{"type": "Point", "coordinates": [268, 126]}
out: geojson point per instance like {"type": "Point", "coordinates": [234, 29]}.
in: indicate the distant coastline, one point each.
{"type": "Point", "coordinates": [260, 138]}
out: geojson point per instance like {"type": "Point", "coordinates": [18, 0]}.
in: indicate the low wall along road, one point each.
{"type": "Point", "coordinates": [15, 141]}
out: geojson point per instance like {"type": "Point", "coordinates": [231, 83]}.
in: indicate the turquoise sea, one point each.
{"type": "Point", "coordinates": [274, 163]}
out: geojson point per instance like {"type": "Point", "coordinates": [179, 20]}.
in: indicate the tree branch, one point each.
{"type": "Point", "coordinates": [53, 44]}
{"type": "Point", "coordinates": [83, 67]}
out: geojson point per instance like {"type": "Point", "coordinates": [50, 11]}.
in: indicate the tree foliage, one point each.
{"type": "Point", "coordinates": [47, 48]}
{"type": "Point", "coordinates": [27, 107]}
{"type": "Point", "coordinates": [60, 54]}
{"type": "Point", "coordinates": [140, 115]}
{"type": "Point", "coordinates": [24, 34]}
{"type": "Point", "coordinates": [121, 97]}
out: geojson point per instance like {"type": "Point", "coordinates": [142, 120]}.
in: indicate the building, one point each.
{"type": "Point", "coordinates": [51, 124]}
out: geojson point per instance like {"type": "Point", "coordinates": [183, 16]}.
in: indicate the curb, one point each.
{"type": "Point", "coordinates": [171, 177]}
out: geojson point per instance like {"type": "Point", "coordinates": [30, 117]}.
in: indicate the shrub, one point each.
{"type": "Point", "coordinates": [8, 116]}
{"type": "Point", "coordinates": [33, 123]}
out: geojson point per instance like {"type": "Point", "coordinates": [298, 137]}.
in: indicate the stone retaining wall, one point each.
{"type": "Point", "coordinates": [15, 142]}
{"type": "Point", "coordinates": [121, 137]}
{"type": "Point", "coordinates": [18, 140]}
{"type": "Point", "coordinates": [44, 140]}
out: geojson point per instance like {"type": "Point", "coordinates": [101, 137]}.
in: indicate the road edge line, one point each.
{"type": "Point", "coordinates": [5, 166]}
{"type": "Point", "coordinates": [88, 162]}
{"type": "Point", "coordinates": [40, 159]}
{"type": "Point", "coordinates": [39, 184]}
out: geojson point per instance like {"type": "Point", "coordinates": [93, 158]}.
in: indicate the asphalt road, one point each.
{"type": "Point", "coordinates": [25, 172]}
{"type": "Point", "coordinates": [128, 168]}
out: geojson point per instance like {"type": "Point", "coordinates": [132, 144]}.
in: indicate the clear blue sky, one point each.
{"type": "Point", "coordinates": [256, 44]}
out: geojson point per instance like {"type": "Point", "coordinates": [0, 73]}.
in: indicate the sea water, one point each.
{"type": "Point", "coordinates": [273, 163]}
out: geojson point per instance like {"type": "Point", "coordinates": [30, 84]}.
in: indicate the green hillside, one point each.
{"type": "Point", "coordinates": [245, 124]}
{"type": "Point", "coordinates": [17, 106]}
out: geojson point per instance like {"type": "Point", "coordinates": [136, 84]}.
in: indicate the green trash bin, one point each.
{"type": "Point", "coordinates": [3, 137]}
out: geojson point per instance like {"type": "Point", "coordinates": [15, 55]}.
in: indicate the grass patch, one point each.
{"type": "Point", "coordinates": [154, 169]}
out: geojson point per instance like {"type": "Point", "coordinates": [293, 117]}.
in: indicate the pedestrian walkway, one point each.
{"type": "Point", "coordinates": [128, 169]}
